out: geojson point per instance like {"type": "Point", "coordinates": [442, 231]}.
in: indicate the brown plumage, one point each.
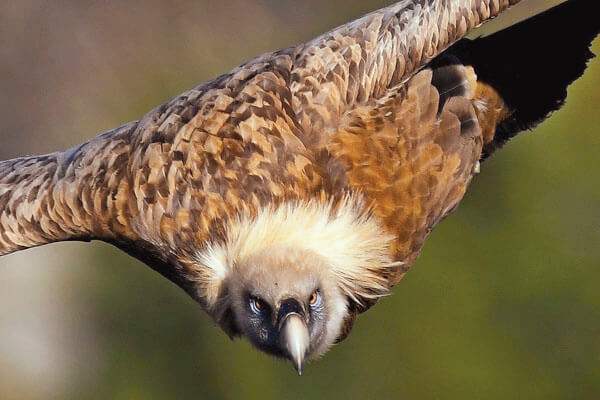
{"type": "Point", "coordinates": [312, 173]}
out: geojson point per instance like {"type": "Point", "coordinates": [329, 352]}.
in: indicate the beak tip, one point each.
{"type": "Point", "coordinates": [298, 367]}
{"type": "Point", "coordinates": [296, 341]}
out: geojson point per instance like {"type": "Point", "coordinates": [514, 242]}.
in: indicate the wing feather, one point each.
{"type": "Point", "coordinates": [412, 162]}
{"type": "Point", "coordinates": [314, 121]}
{"type": "Point", "coordinates": [348, 111]}
{"type": "Point", "coordinates": [362, 61]}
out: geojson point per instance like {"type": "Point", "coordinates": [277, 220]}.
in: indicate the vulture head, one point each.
{"type": "Point", "coordinates": [284, 301]}
{"type": "Point", "coordinates": [291, 280]}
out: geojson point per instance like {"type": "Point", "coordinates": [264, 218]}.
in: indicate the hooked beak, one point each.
{"type": "Point", "coordinates": [294, 337]}
{"type": "Point", "coordinates": [295, 340]}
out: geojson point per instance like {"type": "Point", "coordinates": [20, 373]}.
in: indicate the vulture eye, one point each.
{"type": "Point", "coordinates": [256, 305]}
{"type": "Point", "coordinates": [315, 299]}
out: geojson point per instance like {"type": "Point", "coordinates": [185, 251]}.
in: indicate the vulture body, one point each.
{"type": "Point", "coordinates": [290, 194]}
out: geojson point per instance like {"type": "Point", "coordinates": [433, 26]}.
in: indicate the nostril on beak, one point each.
{"type": "Point", "coordinates": [288, 307]}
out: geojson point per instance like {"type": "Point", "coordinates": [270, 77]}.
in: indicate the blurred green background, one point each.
{"type": "Point", "coordinates": [504, 302]}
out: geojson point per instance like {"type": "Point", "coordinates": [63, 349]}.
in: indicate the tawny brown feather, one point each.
{"type": "Point", "coordinates": [356, 112]}
{"type": "Point", "coordinates": [412, 163]}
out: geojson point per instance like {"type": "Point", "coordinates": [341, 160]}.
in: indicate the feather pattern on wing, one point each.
{"type": "Point", "coordinates": [359, 111]}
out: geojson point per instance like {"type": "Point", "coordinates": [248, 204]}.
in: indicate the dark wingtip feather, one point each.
{"type": "Point", "coordinates": [449, 78]}
{"type": "Point", "coordinates": [532, 63]}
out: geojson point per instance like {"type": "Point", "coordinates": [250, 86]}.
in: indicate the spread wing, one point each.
{"type": "Point", "coordinates": [380, 106]}
{"type": "Point", "coordinates": [303, 122]}
{"type": "Point", "coordinates": [411, 141]}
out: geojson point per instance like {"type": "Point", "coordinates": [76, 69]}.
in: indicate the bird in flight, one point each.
{"type": "Point", "coordinates": [289, 195]}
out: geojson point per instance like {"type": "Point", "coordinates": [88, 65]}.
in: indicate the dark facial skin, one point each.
{"type": "Point", "coordinates": [286, 303]}
{"type": "Point", "coordinates": [263, 322]}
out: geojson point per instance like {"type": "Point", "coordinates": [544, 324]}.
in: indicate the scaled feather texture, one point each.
{"type": "Point", "coordinates": [350, 149]}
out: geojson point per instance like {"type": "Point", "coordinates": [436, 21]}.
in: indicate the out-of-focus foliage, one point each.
{"type": "Point", "coordinates": [503, 303]}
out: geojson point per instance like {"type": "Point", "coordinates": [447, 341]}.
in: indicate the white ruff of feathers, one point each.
{"type": "Point", "coordinates": [351, 241]}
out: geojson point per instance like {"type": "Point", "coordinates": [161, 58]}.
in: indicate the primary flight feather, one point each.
{"type": "Point", "coordinates": [289, 195]}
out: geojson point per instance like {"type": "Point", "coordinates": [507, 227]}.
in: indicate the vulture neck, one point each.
{"type": "Point", "coordinates": [70, 195]}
